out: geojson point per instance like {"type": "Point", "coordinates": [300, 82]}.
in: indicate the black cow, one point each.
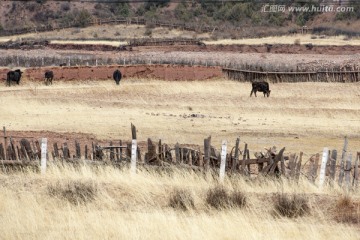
{"type": "Point", "coordinates": [261, 87]}
{"type": "Point", "coordinates": [49, 76]}
{"type": "Point", "coordinates": [14, 76]}
{"type": "Point", "coordinates": [117, 76]}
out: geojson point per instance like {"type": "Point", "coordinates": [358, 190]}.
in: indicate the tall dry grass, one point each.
{"type": "Point", "coordinates": [125, 206]}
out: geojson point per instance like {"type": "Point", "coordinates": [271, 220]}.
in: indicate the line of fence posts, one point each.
{"type": "Point", "coordinates": [190, 158]}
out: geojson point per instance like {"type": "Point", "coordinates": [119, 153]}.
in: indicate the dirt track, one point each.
{"type": "Point", "coordinates": [164, 72]}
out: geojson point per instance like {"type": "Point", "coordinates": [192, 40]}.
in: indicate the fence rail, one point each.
{"type": "Point", "coordinates": [201, 158]}
{"type": "Point", "coordinates": [277, 77]}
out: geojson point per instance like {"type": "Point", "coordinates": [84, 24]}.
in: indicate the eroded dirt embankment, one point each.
{"type": "Point", "coordinates": [164, 72]}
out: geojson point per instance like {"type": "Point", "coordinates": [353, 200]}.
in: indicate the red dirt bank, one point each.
{"type": "Point", "coordinates": [164, 72]}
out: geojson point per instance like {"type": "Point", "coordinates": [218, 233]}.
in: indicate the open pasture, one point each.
{"type": "Point", "coordinates": [299, 116]}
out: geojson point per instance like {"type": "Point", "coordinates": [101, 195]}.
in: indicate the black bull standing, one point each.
{"type": "Point", "coordinates": [13, 76]}
{"type": "Point", "coordinates": [117, 76]}
{"type": "Point", "coordinates": [260, 87]}
{"type": "Point", "coordinates": [49, 76]}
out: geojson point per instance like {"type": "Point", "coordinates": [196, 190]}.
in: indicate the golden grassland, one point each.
{"type": "Point", "coordinates": [109, 32]}
{"type": "Point", "coordinates": [109, 203]}
{"type": "Point", "coordinates": [291, 39]}
{"type": "Point", "coordinates": [94, 34]}
{"type": "Point", "coordinates": [299, 116]}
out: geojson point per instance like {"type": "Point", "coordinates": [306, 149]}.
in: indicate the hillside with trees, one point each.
{"type": "Point", "coordinates": [226, 16]}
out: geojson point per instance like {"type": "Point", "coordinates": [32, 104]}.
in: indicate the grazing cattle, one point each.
{"type": "Point", "coordinates": [261, 87]}
{"type": "Point", "coordinates": [14, 76]}
{"type": "Point", "coordinates": [49, 75]}
{"type": "Point", "coordinates": [62, 64]}
{"type": "Point", "coordinates": [117, 76]}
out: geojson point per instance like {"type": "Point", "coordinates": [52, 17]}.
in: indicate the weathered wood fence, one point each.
{"type": "Point", "coordinates": [237, 160]}
{"type": "Point", "coordinates": [278, 77]}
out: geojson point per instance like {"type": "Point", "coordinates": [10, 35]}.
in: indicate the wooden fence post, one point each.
{"type": "Point", "coordinates": [341, 174]}
{"type": "Point", "coordinates": [177, 153]}
{"type": "Point", "coordinates": [207, 143]}
{"type": "Point", "coordinates": [236, 157]}
{"type": "Point", "coordinates": [43, 155]}
{"type": "Point", "coordinates": [243, 166]}
{"type": "Point", "coordinates": [133, 156]}
{"type": "Point", "coordinates": [356, 172]}
{"type": "Point", "coordinates": [347, 171]}
{"type": "Point", "coordinates": [323, 166]}
{"type": "Point", "coordinates": [298, 167]}
{"type": "Point", "coordinates": [5, 142]}
{"type": "Point", "coordinates": [112, 152]}
{"type": "Point", "coordinates": [332, 166]}
{"type": "Point", "coordinates": [133, 131]}
{"type": "Point", "coordinates": [223, 160]}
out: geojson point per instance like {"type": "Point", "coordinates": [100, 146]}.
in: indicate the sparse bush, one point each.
{"type": "Point", "coordinates": [65, 7]}
{"type": "Point", "coordinates": [218, 198]}
{"type": "Point", "coordinates": [76, 192]}
{"type": "Point", "coordinates": [347, 211]}
{"type": "Point", "coordinates": [148, 32]}
{"type": "Point", "coordinates": [238, 199]}
{"type": "Point", "coordinates": [181, 199]}
{"type": "Point", "coordinates": [291, 206]}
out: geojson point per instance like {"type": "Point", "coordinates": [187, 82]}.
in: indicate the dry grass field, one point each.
{"type": "Point", "coordinates": [300, 116]}
{"type": "Point", "coordinates": [109, 203]}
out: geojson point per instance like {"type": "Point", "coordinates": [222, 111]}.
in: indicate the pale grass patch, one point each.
{"type": "Point", "coordinates": [289, 39]}
{"type": "Point", "coordinates": [90, 42]}
{"type": "Point", "coordinates": [136, 207]}
{"type": "Point", "coordinates": [318, 114]}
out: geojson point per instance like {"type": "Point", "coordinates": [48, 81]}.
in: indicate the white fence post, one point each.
{"type": "Point", "coordinates": [43, 155]}
{"type": "Point", "coordinates": [223, 160]}
{"type": "Point", "coordinates": [323, 165]}
{"type": "Point", "coordinates": [133, 156]}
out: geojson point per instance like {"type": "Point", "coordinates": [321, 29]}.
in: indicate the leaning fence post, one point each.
{"type": "Point", "coordinates": [236, 157]}
{"type": "Point", "coordinates": [341, 175]}
{"type": "Point", "coordinates": [356, 172]}
{"type": "Point", "coordinates": [323, 166]}
{"type": "Point", "coordinates": [5, 142]}
{"type": "Point", "coordinates": [347, 171]}
{"type": "Point", "coordinates": [43, 155]}
{"type": "Point", "coordinates": [133, 156]}
{"type": "Point", "coordinates": [223, 160]}
{"type": "Point", "coordinates": [333, 166]}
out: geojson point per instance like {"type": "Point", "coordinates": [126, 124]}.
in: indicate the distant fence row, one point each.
{"type": "Point", "coordinates": [320, 166]}
{"type": "Point", "coordinates": [136, 20]}
{"type": "Point", "coordinates": [278, 77]}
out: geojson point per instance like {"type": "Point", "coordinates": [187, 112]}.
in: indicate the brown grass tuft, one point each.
{"type": "Point", "coordinates": [181, 199]}
{"type": "Point", "coordinates": [76, 192]}
{"type": "Point", "coordinates": [292, 206]}
{"type": "Point", "coordinates": [220, 198]}
{"type": "Point", "coordinates": [238, 199]}
{"type": "Point", "coordinates": [347, 211]}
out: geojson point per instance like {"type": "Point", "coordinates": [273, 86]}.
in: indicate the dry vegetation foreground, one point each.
{"type": "Point", "coordinates": [299, 116]}
{"type": "Point", "coordinates": [108, 203]}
